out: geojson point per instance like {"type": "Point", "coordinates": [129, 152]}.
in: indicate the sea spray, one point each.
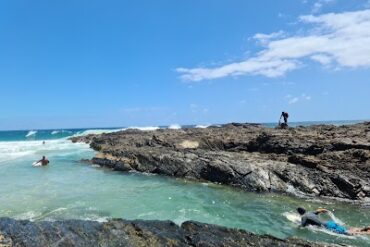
{"type": "Point", "coordinates": [175, 126]}
{"type": "Point", "coordinates": [332, 216]}
{"type": "Point", "coordinates": [199, 126]}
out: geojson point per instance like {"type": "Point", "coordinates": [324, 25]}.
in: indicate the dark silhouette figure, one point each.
{"type": "Point", "coordinates": [44, 161]}
{"type": "Point", "coordinates": [285, 116]}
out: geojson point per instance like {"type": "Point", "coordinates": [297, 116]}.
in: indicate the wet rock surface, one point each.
{"type": "Point", "coordinates": [321, 160]}
{"type": "Point", "coordinates": [132, 233]}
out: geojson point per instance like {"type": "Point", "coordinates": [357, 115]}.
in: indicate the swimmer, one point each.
{"type": "Point", "coordinates": [44, 161]}
{"type": "Point", "coordinates": [312, 218]}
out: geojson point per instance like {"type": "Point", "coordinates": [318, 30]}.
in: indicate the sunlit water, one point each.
{"type": "Point", "coordinates": [69, 189]}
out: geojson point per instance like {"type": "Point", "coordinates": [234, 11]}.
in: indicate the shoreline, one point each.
{"type": "Point", "coordinates": [323, 161]}
{"type": "Point", "coordinates": [248, 157]}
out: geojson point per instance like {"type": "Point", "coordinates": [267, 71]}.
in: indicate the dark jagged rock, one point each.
{"type": "Point", "coordinates": [134, 233]}
{"type": "Point", "coordinates": [321, 160]}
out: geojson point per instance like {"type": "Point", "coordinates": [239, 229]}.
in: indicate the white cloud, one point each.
{"type": "Point", "coordinates": [340, 39]}
{"type": "Point", "coordinates": [265, 38]}
{"type": "Point", "coordinates": [256, 66]}
{"type": "Point", "coordinates": [293, 100]}
{"type": "Point", "coordinates": [306, 97]}
{"type": "Point", "coordinates": [321, 58]}
{"type": "Point", "coordinates": [318, 5]}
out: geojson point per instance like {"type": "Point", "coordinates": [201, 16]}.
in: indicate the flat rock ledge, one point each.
{"type": "Point", "coordinates": [134, 233]}
{"type": "Point", "coordinates": [321, 160]}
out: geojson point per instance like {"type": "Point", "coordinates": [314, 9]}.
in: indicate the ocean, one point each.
{"type": "Point", "coordinates": [69, 189]}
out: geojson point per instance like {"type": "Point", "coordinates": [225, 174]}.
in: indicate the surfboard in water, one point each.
{"type": "Point", "coordinates": [293, 217]}
{"type": "Point", "coordinates": [296, 219]}
{"type": "Point", "coordinates": [35, 164]}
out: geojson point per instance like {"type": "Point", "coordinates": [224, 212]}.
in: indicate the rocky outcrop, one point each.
{"type": "Point", "coordinates": [321, 160]}
{"type": "Point", "coordinates": [132, 233]}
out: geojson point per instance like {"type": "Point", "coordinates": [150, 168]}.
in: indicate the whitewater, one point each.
{"type": "Point", "coordinates": [71, 189]}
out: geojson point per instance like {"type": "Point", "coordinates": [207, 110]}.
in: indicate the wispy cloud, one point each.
{"type": "Point", "coordinates": [339, 39]}
{"type": "Point", "coordinates": [322, 58]}
{"type": "Point", "coordinates": [264, 39]}
{"type": "Point", "coordinates": [293, 100]}
{"type": "Point", "coordinates": [318, 5]}
{"type": "Point", "coordinates": [306, 97]}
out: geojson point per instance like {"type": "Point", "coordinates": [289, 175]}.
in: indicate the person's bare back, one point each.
{"type": "Point", "coordinates": [44, 161]}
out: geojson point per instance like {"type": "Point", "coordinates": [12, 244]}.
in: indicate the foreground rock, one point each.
{"type": "Point", "coordinates": [322, 160]}
{"type": "Point", "coordinates": [131, 233]}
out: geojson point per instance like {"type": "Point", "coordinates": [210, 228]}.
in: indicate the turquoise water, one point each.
{"type": "Point", "coordinates": [69, 189]}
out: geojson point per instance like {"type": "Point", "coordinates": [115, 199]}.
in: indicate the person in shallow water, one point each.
{"type": "Point", "coordinates": [312, 218]}
{"type": "Point", "coordinates": [44, 161]}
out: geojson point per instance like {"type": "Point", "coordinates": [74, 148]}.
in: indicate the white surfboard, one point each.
{"type": "Point", "coordinates": [296, 219]}
{"type": "Point", "coordinates": [293, 217]}
{"type": "Point", "coordinates": [35, 164]}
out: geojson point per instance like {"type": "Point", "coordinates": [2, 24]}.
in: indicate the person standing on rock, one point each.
{"type": "Point", "coordinates": [285, 116]}
{"type": "Point", "coordinates": [312, 218]}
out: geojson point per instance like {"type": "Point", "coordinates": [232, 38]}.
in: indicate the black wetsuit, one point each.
{"type": "Point", "coordinates": [285, 116]}
{"type": "Point", "coordinates": [311, 218]}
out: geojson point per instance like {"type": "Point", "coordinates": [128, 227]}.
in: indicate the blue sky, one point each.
{"type": "Point", "coordinates": [95, 63]}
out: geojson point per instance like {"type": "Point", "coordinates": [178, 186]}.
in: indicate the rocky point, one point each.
{"type": "Point", "coordinates": [321, 160]}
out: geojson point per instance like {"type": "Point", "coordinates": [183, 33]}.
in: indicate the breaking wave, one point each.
{"type": "Point", "coordinates": [174, 126]}
{"type": "Point", "coordinates": [31, 133]}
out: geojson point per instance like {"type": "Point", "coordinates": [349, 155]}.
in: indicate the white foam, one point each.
{"type": "Point", "coordinates": [96, 132]}
{"type": "Point", "coordinates": [175, 126]}
{"type": "Point", "coordinates": [335, 218]}
{"type": "Point", "coordinates": [291, 190]}
{"type": "Point", "coordinates": [96, 218]}
{"type": "Point", "coordinates": [31, 133]}
{"type": "Point", "coordinates": [324, 230]}
{"type": "Point", "coordinates": [201, 126]}
{"type": "Point", "coordinates": [61, 131]}
{"type": "Point", "coordinates": [19, 149]}
{"type": "Point", "coordinates": [106, 131]}
{"type": "Point", "coordinates": [45, 215]}
{"type": "Point", "coordinates": [148, 128]}
{"type": "Point", "coordinates": [30, 215]}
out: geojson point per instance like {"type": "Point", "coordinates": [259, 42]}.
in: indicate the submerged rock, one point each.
{"type": "Point", "coordinates": [132, 233]}
{"type": "Point", "coordinates": [321, 160]}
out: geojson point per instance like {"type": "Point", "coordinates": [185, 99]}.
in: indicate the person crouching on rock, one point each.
{"type": "Point", "coordinates": [285, 116]}
{"type": "Point", "coordinates": [312, 218]}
